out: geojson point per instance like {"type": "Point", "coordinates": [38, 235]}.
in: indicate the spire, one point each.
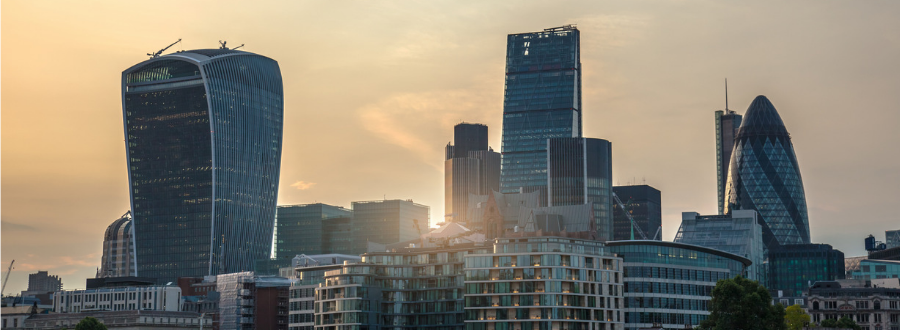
{"type": "Point", "coordinates": [726, 96]}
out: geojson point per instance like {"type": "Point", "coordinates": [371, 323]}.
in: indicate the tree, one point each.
{"type": "Point", "coordinates": [795, 317]}
{"type": "Point", "coordinates": [828, 323]}
{"type": "Point", "coordinates": [90, 323]}
{"type": "Point", "coordinates": [742, 304]}
{"type": "Point", "coordinates": [846, 322]}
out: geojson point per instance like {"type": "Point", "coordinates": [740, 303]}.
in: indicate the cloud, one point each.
{"type": "Point", "coordinates": [12, 226]}
{"type": "Point", "coordinates": [303, 185]}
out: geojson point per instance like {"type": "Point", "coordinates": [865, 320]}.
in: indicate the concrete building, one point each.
{"type": "Point", "coordinates": [671, 283]}
{"type": "Point", "coordinates": [203, 132]}
{"type": "Point", "coordinates": [738, 233]}
{"type": "Point", "coordinates": [44, 282]}
{"type": "Point", "coordinates": [122, 320]}
{"type": "Point", "coordinates": [873, 307]}
{"type": "Point", "coordinates": [470, 167]}
{"type": "Point", "coordinates": [889, 254]}
{"type": "Point", "coordinates": [387, 222]}
{"type": "Point", "coordinates": [14, 317]}
{"type": "Point", "coordinates": [118, 249]}
{"type": "Point", "coordinates": [250, 302]}
{"type": "Point", "coordinates": [793, 268]}
{"type": "Point", "coordinates": [543, 283]}
{"type": "Point", "coordinates": [644, 203]}
{"type": "Point", "coordinates": [154, 298]}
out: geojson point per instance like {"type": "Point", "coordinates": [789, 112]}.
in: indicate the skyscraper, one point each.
{"type": "Point", "coordinates": [118, 249]}
{"type": "Point", "coordinates": [542, 101]}
{"type": "Point", "coordinates": [470, 167]}
{"type": "Point", "coordinates": [644, 203]}
{"type": "Point", "coordinates": [727, 124]}
{"type": "Point", "coordinates": [387, 222]}
{"type": "Point", "coordinates": [307, 228]}
{"type": "Point", "coordinates": [203, 133]}
{"type": "Point", "coordinates": [580, 172]}
{"type": "Point", "coordinates": [764, 176]}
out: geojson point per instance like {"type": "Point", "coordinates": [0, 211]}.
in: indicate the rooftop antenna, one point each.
{"type": "Point", "coordinates": [222, 44]}
{"type": "Point", "coordinates": [155, 55]}
{"type": "Point", "coordinates": [242, 45]}
{"type": "Point", "coordinates": [726, 96]}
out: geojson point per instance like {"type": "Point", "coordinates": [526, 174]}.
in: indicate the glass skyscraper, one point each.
{"type": "Point", "coordinates": [542, 101]}
{"type": "Point", "coordinates": [764, 176]}
{"type": "Point", "coordinates": [470, 167]}
{"type": "Point", "coordinates": [727, 124]}
{"type": "Point", "coordinates": [644, 203]}
{"type": "Point", "coordinates": [580, 172]}
{"type": "Point", "coordinates": [203, 133]}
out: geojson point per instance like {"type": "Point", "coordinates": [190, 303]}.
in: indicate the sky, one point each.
{"type": "Point", "coordinates": [373, 89]}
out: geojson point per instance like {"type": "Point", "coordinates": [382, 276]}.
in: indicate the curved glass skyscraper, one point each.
{"type": "Point", "coordinates": [764, 176]}
{"type": "Point", "coordinates": [203, 135]}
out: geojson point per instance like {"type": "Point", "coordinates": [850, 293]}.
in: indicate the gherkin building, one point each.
{"type": "Point", "coordinates": [764, 176]}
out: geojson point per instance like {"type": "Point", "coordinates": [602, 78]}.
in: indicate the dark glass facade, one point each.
{"type": "Point", "coordinates": [203, 135]}
{"type": "Point", "coordinates": [792, 268]}
{"type": "Point", "coordinates": [580, 172]}
{"type": "Point", "coordinates": [307, 229]}
{"type": "Point", "coordinates": [727, 124]}
{"type": "Point", "coordinates": [542, 100]}
{"type": "Point", "coordinates": [387, 222]}
{"type": "Point", "coordinates": [644, 203]}
{"type": "Point", "coordinates": [468, 137]}
{"type": "Point", "coordinates": [470, 167]}
{"type": "Point", "coordinates": [671, 283]}
{"type": "Point", "coordinates": [764, 176]}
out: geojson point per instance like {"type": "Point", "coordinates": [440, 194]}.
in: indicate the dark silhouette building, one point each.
{"type": "Point", "coordinates": [470, 167]}
{"type": "Point", "coordinates": [764, 176]}
{"type": "Point", "coordinates": [203, 131]}
{"type": "Point", "coordinates": [542, 101]}
{"type": "Point", "coordinates": [727, 124]}
{"type": "Point", "coordinates": [312, 229]}
{"type": "Point", "coordinates": [644, 203]}
{"type": "Point", "coordinates": [580, 172]}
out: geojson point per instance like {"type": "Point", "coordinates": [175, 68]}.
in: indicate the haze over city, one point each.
{"type": "Point", "coordinates": [372, 91]}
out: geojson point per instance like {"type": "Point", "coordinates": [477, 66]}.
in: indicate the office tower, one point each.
{"type": "Point", "coordinates": [671, 283]}
{"type": "Point", "coordinates": [739, 233]}
{"type": "Point", "coordinates": [118, 249]}
{"type": "Point", "coordinates": [203, 135]}
{"type": "Point", "coordinates": [892, 238]}
{"type": "Point", "coordinates": [764, 176]}
{"type": "Point", "coordinates": [792, 268]}
{"type": "Point", "coordinates": [554, 283]}
{"type": "Point", "coordinates": [727, 124]}
{"type": "Point", "coordinates": [309, 229]}
{"type": "Point", "coordinates": [470, 167]}
{"type": "Point", "coordinates": [580, 172]}
{"type": "Point", "coordinates": [387, 222]}
{"type": "Point", "coordinates": [644, 203]}
{"type": "Point", "coordinates": [43, 281]}
{"type": "Point", "coordinates": [542, 101]}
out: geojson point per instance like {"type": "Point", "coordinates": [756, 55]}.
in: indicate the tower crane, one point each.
{"type": "Point", "coordinates": [155, 55]}
{"type": "Point", "coordinates": [630, 218]}
{"type": "Point", "coordinates": [6, 279]}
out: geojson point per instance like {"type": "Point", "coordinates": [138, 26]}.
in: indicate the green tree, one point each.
{"type": "Point", "coordinates": [742, 304]}
{"type": "Point", "coordinates": [90, 323]}
{"type": "Point", "coordinates": [846, 322]}
{"type": "Point", "coordinates": [828, 323]}
{"type": "Point", "coordinates": [795, 317]}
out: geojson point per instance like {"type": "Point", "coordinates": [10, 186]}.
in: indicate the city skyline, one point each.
{"type": "Point", "coordinates": [652, 79]}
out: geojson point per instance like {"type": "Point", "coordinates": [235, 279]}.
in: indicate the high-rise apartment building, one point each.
{"type": "Point", "coordinates": [203, 131]}
{"type": "Point", "coordinates": [739, 233]}
{"type": "Point", "coordinates": [727, 124]}
{"type": "Point", "coordinates": [764, 176]}
{"type": "Point", "coordinates": [644, 203]}
{"type": "Point", "coordinates": [580, 172]}
{"type": "Point", "coordinates": [118, 249]}
{"type": "Point", "coordinates": [542, 101]}
{"type": "Point", "coordinates": [387, 222]}
{"type": "Point", "coordinates": [43, 281]}
{"type": "Point", "coordinates": [311, 229]}
{"type": "Point", "coordinates": [470, 167]}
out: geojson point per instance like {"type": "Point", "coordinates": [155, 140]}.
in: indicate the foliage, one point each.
{"type": "Point", "coordinates": [843, 323]}
{"type": "Point", "coordinates": [742, 304]}
{"type": "Point", "coordinates": [795, 317]}
{"type": "Point", "coordinates": [828, 323]}
{"type": "Point", "coordinates": [90, 323]}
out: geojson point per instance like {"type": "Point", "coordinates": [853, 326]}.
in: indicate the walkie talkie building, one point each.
{"type": "Point", "coordinates": [203, 133]}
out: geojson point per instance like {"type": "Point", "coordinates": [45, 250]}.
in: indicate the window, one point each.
{"type": "Point", "coordinates": [860, 304]}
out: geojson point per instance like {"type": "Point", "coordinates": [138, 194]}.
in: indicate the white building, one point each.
{"type": "Point", "coordinates": [147, 298]}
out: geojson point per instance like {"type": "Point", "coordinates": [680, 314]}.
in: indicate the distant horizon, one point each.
{"type": "Point", "coordinates": [370, 103]}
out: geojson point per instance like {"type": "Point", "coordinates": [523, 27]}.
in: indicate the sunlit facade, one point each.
{"type": "Point", "coordinates": [542, 101]}
{"type": "Point", "coordinates": [203, 133]}
{"type": "Point", "coordinates": [764, 176]}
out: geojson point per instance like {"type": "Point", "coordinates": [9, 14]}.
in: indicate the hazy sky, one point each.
{"type": "Point", "coordinates": [373, 89]}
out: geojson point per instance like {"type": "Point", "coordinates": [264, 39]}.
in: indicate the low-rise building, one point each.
{"type": "Point", "coordinates": [149, 298]}
{"type": "Point", "coordinates": [877, 269]}
{"type": "Point", "coordinates": [793, 268]}
{"type": "Point", "coordinates": [248, 302]}
{"type": "Point", "coordinates": [873, 307]}
{"type": "Point", "coordinates": [309, 273]}
{"type": "Point", "coordinates": [14, 317]}
{"type": "Point", "coordinates": [124, 320]}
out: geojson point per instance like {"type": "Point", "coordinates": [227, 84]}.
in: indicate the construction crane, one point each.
{"type": "Point", "coordinates": [155, 55]}
{"type": "Point", "coordinates": [627, 214]}
{"type": "Point", "coordinates": [6, 279]}
{"type": "Point", "coordinates": [222, 45]}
